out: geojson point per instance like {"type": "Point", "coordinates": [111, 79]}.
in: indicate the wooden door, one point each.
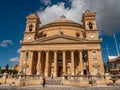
{"type": "Point", "coordinates": [60, 71]}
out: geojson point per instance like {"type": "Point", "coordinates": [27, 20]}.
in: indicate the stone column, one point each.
{"type": "Point", "coordinates": [99, 59]}
{"type": "Point", "coordinates": [47, 64]}
{"type": "Point", "coordinates": [55, 64]}
{"type": "Point", "coordinates": [80, 62]}
{"type": "Point", "coordinates": [29, 63]}
{"type": "Point", "coordinates": [90, 62]}
{"type": "Point", "coordinates": [64, 61]}
{"type": "Point", "coordinates": [21, 65]}
{"type": "Point", "coordinates": [72, 63]}
{"type": "Point", "coordinates": [39, 63]}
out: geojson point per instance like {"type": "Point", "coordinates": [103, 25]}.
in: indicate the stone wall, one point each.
{"type": "Point", "coordinates": [82, 80]}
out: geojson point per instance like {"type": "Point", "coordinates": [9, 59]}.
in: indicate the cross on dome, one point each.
{"type": "Point", "coordinates": [63, 16]}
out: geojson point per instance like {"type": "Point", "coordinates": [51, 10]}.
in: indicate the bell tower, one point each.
{"type": "Point", "coordinates": [32, 25]}
{"type": "Point", "coordinates": [89, 24]}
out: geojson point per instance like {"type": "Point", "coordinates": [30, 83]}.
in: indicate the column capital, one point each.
{"type": "Point", "coordinates": [29, 50]}
{"type": "Point", "coordinates": [72, 50]}
{"type": "Point", "coordinates": [98, 49]}
{"type": "Point", "coordinates": [80, 50]}
{"type": "Point", "coordinates": [89, 50]}
{"type": "Point", "coordinates": [55, 50]}
{"type": "Point", "coordinates": [22, 50]}
{"type": "Point", "coordinates": [64, 50]}
{"type": "Point", "coordinates": [47, 51]}
{"type": "Point", "coordinates": [39, 51]}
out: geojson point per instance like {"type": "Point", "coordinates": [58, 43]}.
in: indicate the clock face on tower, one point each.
{"type": "Point", "coordinates": [92, 35]}
{"type": "Point", "coordinates": [29, 38]}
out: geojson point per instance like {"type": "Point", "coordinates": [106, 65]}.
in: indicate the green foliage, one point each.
{"type": "Point", "coordinates": [3, 71]}
{"type": "Point", "coordinates": [10, 71]}
{"type": "Point", "coordinates": [92, 81]}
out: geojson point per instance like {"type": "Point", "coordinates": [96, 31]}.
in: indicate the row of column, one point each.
{"type": "Point", "coordinates": [47, 64]}
{"type": "Point", "coordinates": [29, 70]}
{"type": "Point", "coordinates": [56, 63]}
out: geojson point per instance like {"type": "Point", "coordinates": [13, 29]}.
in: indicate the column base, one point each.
{"type": "Point", "coordinates": [46, 74]}
{"type": "Point", "coordinates": [55, 75]}
{"type": "Point", "coordinates": [38, 73]}
{"type": "Point", "coordinates": [72, 73]}
{"type": "Point", "coordinates": [28, 74]}
{"type": "Point", "coordinates": [81, 73]}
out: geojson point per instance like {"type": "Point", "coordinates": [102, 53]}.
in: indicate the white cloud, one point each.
{"type": "Point", "coordinates": [15, 59]}
{"type": "Point", "coordinates": [108, 13]}
{"type": "Point", "coordinates": [46, 2]}
{"type": "Point", "coordinates": [18, 51]}
{"type": "Point", "coordinates": [5, 43]}
{"type": "Point", "coordinates": [55, 11]}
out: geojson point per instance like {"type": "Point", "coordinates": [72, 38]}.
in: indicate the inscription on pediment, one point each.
{"type": "Point", "coordinates": [60, 40]}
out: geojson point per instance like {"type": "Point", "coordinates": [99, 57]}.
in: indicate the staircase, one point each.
{"type": "Point", "coordinates": [54, 81]}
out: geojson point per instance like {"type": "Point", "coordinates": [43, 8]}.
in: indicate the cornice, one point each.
{"type": "Point", "coordinates": [74, 40]}
{"type": "Point", "coordinates": [28, 32]}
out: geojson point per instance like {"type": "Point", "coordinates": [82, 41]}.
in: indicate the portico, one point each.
{"type": "Point", "coordinates": [55, 62]}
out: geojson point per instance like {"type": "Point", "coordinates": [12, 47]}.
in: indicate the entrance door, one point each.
{"type": "Point", "coordinates": [85, 72]}
{"type": "Point", "coordinates": [60, 68]}
{"type": "Point", "coordinates": [60, 71]}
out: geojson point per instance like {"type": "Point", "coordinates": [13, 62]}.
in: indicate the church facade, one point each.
{"type": "Point", "coordinates": [61, 47]}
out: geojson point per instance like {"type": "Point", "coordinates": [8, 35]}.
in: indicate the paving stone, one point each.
{"type": "Point", "coordinates": [59, 87]}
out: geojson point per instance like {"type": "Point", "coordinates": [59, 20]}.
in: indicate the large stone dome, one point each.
{"type": "Point", "coordinates": [61, 22]}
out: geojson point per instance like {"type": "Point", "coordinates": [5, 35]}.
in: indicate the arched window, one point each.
{"type": "Point", "coordinates": [77, 34]}
{"type": "Point", "coordinates": [90, 26]}
{"type": "Point", "coordinates": [30, 28]}
{"type": "Point", "coordinates": [94, 54]}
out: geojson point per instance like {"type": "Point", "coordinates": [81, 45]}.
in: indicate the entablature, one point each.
{"type": "Point", "coordinates": [62, 39]}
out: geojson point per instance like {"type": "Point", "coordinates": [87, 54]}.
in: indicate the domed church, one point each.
{"type": "Point", "coordinates": [61, 47]}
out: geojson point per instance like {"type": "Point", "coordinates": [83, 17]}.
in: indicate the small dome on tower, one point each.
{"type": "Point", "coordinates": [32, 16]}
{"type": "Point", "coordinates": [87, 11]}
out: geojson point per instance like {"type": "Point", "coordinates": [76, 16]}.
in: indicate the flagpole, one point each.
{"type": "Point", "coordinates": [116, 45]}
{"type": "Point", "coordinates": [107, 50]}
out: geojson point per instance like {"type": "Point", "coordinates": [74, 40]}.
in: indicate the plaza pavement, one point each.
{"type": "Point", "coordinates": [58, 87]}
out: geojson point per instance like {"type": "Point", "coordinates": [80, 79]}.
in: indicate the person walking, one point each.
{"type": "Point", "coordinates": [43, 82]}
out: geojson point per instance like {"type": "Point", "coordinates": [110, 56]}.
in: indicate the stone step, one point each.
{"type": "Point", "coordinates": [55, 81]}
{"type": "Point", "coordinates": [55, 78]}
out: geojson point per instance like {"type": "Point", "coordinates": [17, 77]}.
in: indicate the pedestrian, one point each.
{"type": "Point", "coordinates": [43, 82]}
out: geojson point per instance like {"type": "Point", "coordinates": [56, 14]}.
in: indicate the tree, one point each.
{"type": "Point", "coordinates": [0, 70]}
{"type": "Point", "coordinates": [6, 67]}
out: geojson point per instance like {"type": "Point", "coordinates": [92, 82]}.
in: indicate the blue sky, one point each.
{"type": "Point", "coordinates": [13, 13]}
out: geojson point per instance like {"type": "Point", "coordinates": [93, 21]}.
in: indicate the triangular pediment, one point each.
{"type": "Point", "coordinates": [60, 39]}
